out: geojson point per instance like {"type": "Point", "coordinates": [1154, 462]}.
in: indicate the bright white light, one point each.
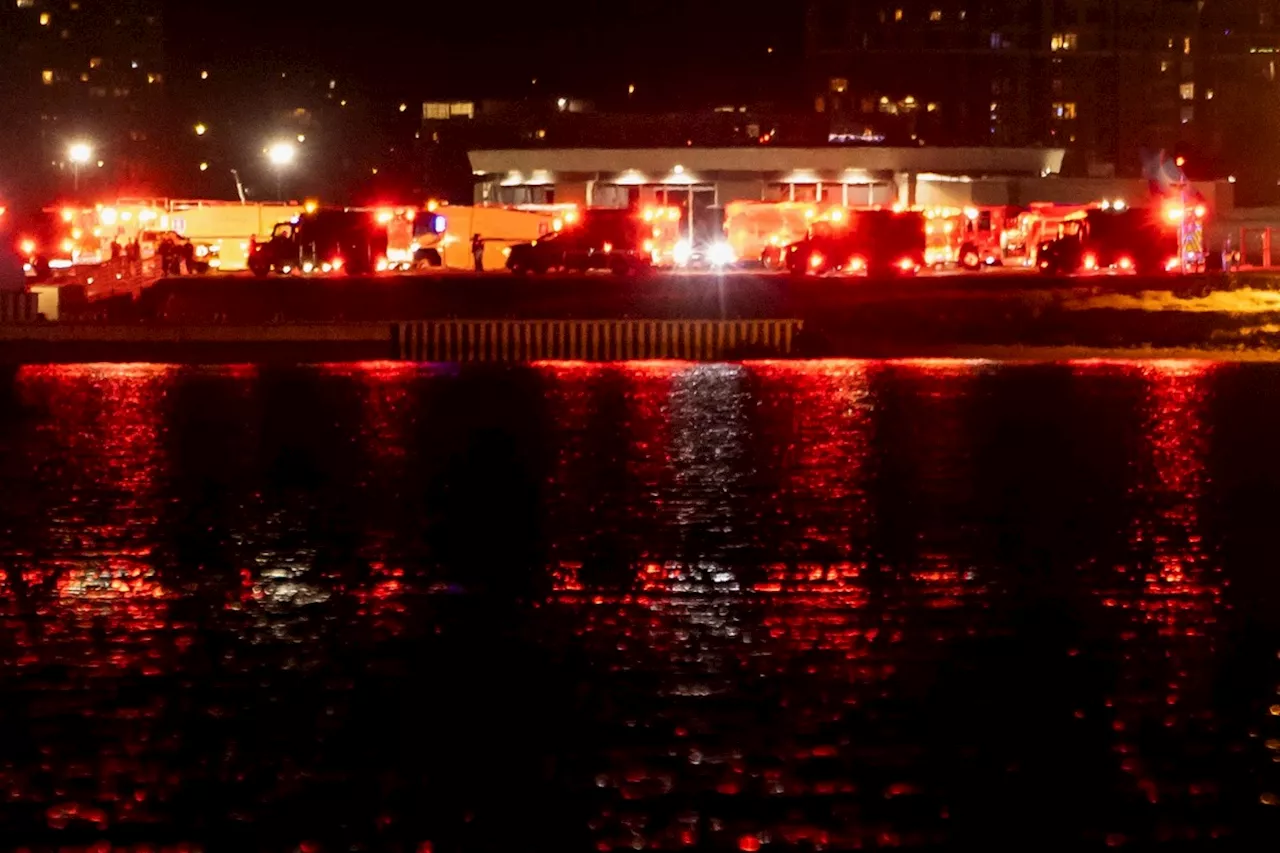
{"type": "Point", "coordinates": [79, 152]}
{"type": "Point", "coordinates": [721, 255]}
{"type": "Point", "coordinates": [682, 253]}
{"type": "Point", "coordinates": [281, 153]}
{"type": "Point", "coordinates": [1118, 204]}
{"type": "Point", "coordinates": [562, 103]}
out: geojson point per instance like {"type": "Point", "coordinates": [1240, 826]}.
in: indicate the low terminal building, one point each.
{"type": "Point", "coordinates": [705, 179]}
{"type": "Point", "coordinates": [711, 177]}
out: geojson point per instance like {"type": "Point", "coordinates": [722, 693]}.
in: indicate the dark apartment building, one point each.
{"type": "Point", "coordinates": [88, 71]}
{"type": "Point", "coordinates": [1104, 79]}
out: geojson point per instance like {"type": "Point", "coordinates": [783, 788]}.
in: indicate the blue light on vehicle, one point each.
{"type": "Point", "coordinates": [437, 224]}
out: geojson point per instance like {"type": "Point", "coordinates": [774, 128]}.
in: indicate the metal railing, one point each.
{"type": "Point", "coordinates": [590, 340]}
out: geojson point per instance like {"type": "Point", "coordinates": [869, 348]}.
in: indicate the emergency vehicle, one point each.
{"type": "Point", "coordinates": [1143, 240]}
{"type": "Point", "coordinates": [220, 230]}
{"type": "Point", "coordinates": [863, 242]}
{"type": "Point", "coordinates": [760, 231]}
{"type": "Point", "coordinates": [442, 235]}
{"type": "Point", "coordinates": [617, 240]}
{"type": "Point", "coordinates": [353, 241]}
{"type": "Point", "coordinates": [970, 237]}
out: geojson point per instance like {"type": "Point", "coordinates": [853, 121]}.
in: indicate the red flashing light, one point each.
{"type": "Point", "coordinates": [1090, 261]}
{"type": "Point", "coordinates": [336, 263]}
{"type": "Point", "coordinates": [1171, 265]}
{"type": "Point", "coordinates": [815, 260]}
{"type": "Point", "coordinates": [857, 264]}
{"type": "Point", "coordinates": [28, 247]}
{"type": "Point", "coordinates": [1181, 161]}
{"type": "Point", "coordinates": [1126, 263]}
{"type": "Point", "coordinates": [1200, 211]}
{"type": "Point", "coordinates": [384, 216]}
{"type": "Point", "coordinates": [906, 264]}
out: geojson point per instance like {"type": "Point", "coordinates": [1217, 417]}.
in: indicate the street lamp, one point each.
{"type": "Point", "coordinates": [281, 155]}
{"type": "Point", "coordinates": [79, 153]}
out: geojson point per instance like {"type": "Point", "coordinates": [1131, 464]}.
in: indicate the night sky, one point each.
{"type": "Point", "coordinates": [693, 48]}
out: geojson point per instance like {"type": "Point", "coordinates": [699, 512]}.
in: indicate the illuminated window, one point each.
{"type": "Point", "coordinates": [84, 77]}
{"type": "Point", "coordinates": [462, 109]}
{"type": "Point", "coordinates": [44, 19]}
{"type": "Point", "coordinates": [1165, 65]}
{"type": "Point", "coordinates": [1188, 113]}
{"type": "Point", "coordinates": [46, 76]}
{"type": "Point", "coordinates": [962, 14]}
{"type": "Point", "coordinates": [26, 4]}
{"type": "Point", "coordinates": [1063, 41]}
{"type": "Point", "coordinates": [935, 15]}
{"type": "Point", "coordinates": [932, 107]}
{"type": "Point", "coordinates": [839, 85]}
{"type": "Point", "coordinates": [1186, 45]}
{"type": "Point", "coordinates": [1187, 91]}
{"type": "Point", "coordinates": [897, 14]}
{"type": "Point", "coordinates": [435, 112]}
{"type": "Point", "coordinates": [95, 62]}
{"type": "Point", "coordinates": [75, 7]}
{"type": "Point", "coordinates": [1065, 110]}
{"type": "Point", "coordinates": [1208, 94]}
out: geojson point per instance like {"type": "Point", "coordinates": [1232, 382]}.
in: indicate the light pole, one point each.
{"type": "Point", "coordinates": [78, 153]}
{"type": "Point", "coordinates": [281, 155]}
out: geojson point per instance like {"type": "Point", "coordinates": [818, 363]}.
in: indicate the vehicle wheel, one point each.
{"type": "Point", "coordinates": [259, 269]}
{"type": "Point", "coordinates": [519, 269]}
{"type": "Point", "coordinates": [969, 258]}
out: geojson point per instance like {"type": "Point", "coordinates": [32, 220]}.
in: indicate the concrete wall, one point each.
{"type": "Point", "coordinates": [727, 191]}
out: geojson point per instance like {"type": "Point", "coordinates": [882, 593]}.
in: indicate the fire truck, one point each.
{"type": "Point", "coordinates": [322, 241]}
{"type": "Point", "coordinates": [1143, 240]}
{"type": "Point", "coordinates": [760, 231]}
{"type": "Point", "coordinates": [864, 242]}
{"type": "Point", "coordinates": [617, 240]}
{"type": "Point", "coordinates": [970, 237]}
{"type": "Point", "coordinates": [1036, 224]}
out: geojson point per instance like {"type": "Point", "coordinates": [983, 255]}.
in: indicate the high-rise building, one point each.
{"type": "Point", "coordinates": [1104, 79]}
{"type": "Point", "coordinates": [82, 71]}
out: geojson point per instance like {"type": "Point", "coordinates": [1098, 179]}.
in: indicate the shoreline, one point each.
{"type": "Point", "coordinates": [363, 342]}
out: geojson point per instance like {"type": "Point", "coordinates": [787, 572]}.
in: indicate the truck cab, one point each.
{"type": "Point", "coordinates": [323, 241]}
{"type": "Point", "coordinates": [873, 242]}
{"type": "Point", "coordinates": [1139, 240]}
{"type": "Point", "coordinates": [612, 240]}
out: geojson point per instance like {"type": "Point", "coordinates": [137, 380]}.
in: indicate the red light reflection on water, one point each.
{"type": "Point", "coordinates": [107, 436]}
{"type": "Point", "coordinates": [1170, 588]}
{"type": "Point", "coordinates": [796, 437]}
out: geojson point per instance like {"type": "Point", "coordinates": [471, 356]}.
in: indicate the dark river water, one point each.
{"type": "Point", "coordinates": [780, 606]}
